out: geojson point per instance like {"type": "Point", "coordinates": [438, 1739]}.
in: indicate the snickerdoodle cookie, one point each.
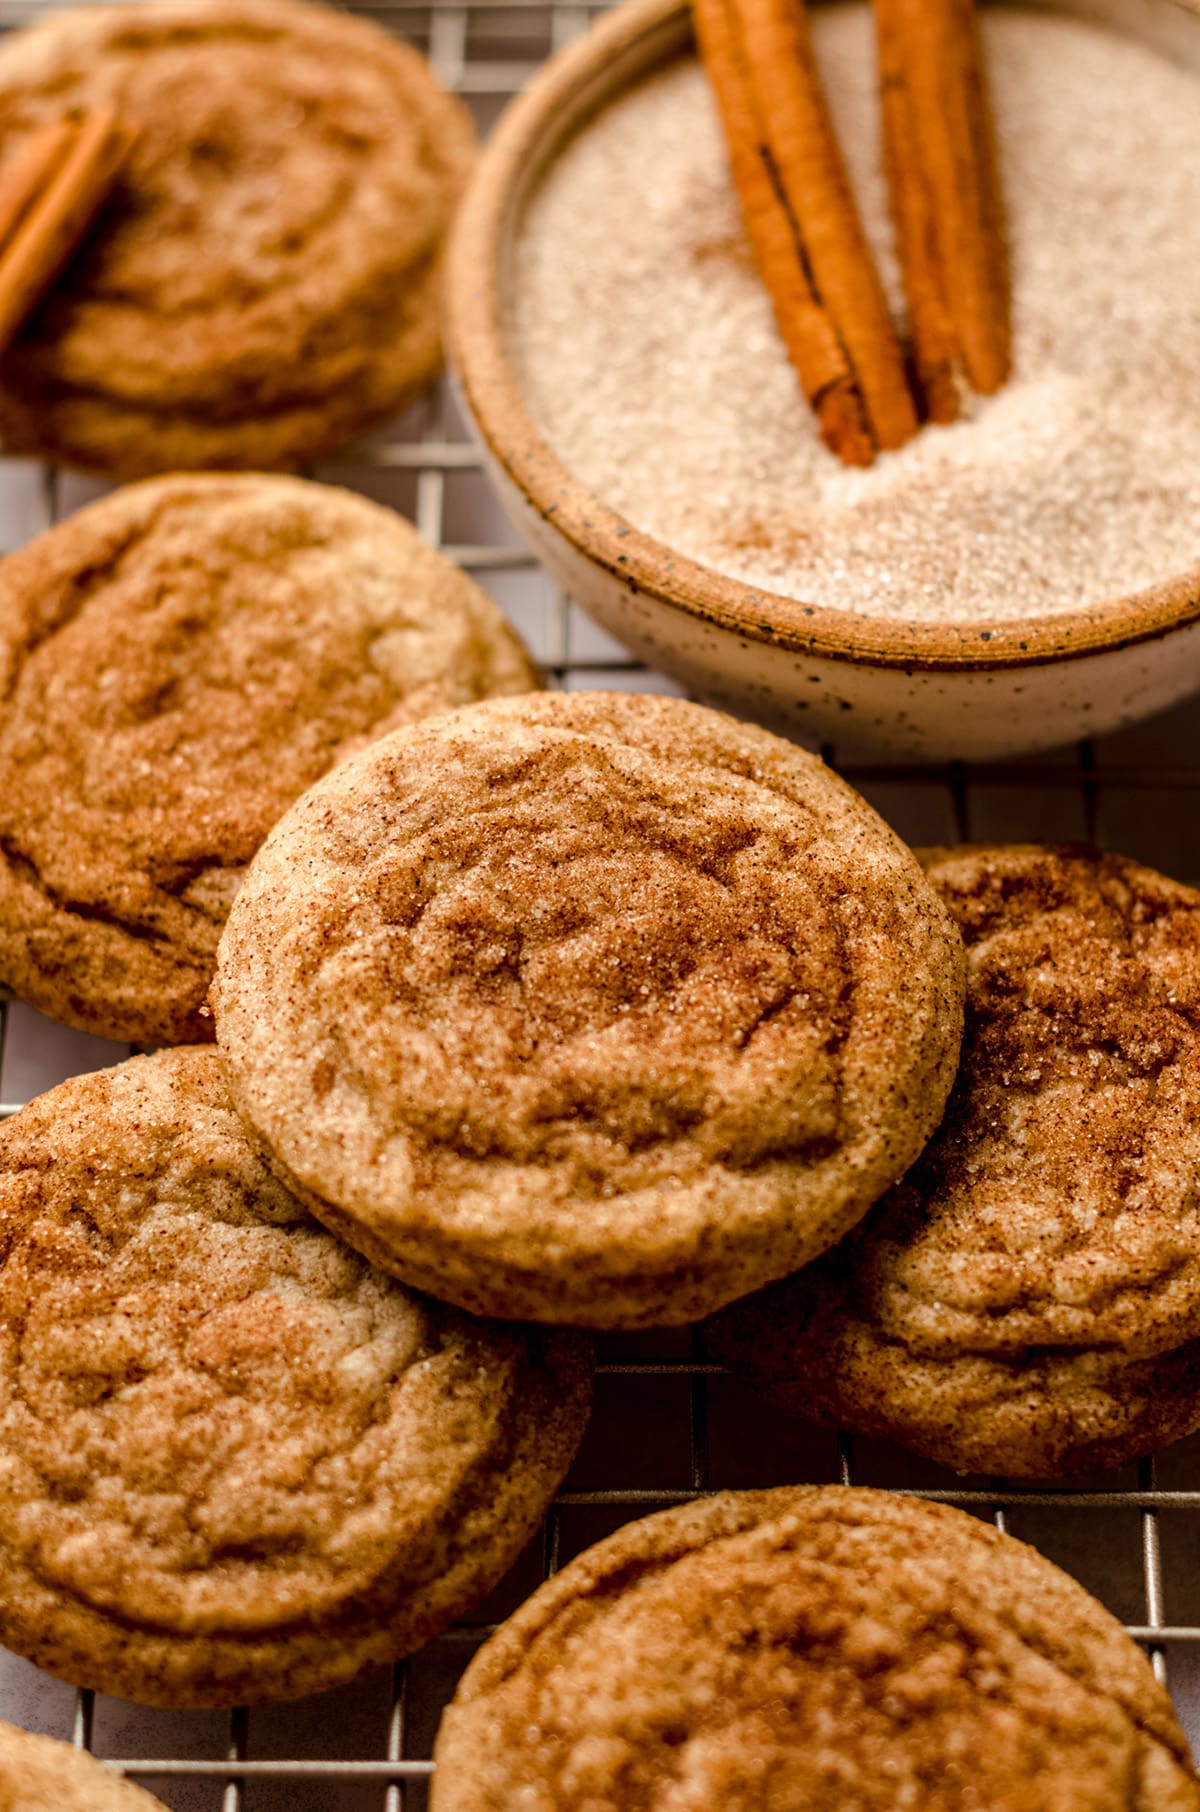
{"type": "Point", "coordinates": [39, 1775]}
{"type": "Point", "coordinates": [1027, 1301]}
{"type": "Point", "coordinates": [596, 1008]}
{"type": "Point", "coordinates": [818, 1647]}
{"type": "Point", "coordinates": [177, 664]}
{"type": "Point", "coordinates": [236, 1463]}
{"type": "Point", "coordinates": [265, 280]}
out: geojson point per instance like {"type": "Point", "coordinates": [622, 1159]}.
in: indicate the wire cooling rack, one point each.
{"type": "Point", "coordinates": [667, 1425]}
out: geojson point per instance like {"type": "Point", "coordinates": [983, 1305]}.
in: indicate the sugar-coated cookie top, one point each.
{"type": "Point", "coordinates": [595, 1007]}
{"type": "Point", "coordinates": [812, 1647]}
{"type": "Point", "coordinates": [237, 1461]}
{"type": "Point", "coordinates": [1027, 1301]}
{"type": "Point", "coordinates": [1056, 1205]}
{"type": "Point", "coordinates": [177, 663]}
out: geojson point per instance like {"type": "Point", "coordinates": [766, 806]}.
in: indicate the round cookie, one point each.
{"type": "Point", "coordinates": [236, 1463]}
{"type": "Point", "coordinates": [593, 1008]}
{"type": "Point", "coordinates": [178, 662]}
{"type": "Point", "coordinates": [265, 280]}
{"type": "Point", "coordinates": [38, 1774]}
{"type": "Point", "coordinates": [813, 1647]}
{"type": "Point", "coordinates": [1027, 1301]}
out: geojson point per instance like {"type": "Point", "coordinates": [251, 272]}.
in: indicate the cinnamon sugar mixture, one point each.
{"type": "Point", "coordinates": [649, 356]}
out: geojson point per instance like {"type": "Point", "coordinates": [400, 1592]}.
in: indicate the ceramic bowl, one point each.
{"type": "Point", "coordinates": [887, 688]}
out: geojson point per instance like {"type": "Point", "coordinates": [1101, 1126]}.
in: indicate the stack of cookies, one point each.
{"type": "Point", "coordinates": [563, 1009]}
{"type": "Point", "coordinates": [236, 1462]}
{"type": "Point", "coordinates": [542, 1013]}
{"type": "Point", "coordinates": [605, 1010]}
{"type": "Point", "coordinates": [533, 1014]}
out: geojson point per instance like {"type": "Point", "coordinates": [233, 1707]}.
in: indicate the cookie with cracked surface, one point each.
{"type": "Point", "coordinates": [594, 1008]}
{"type": "Point", "coordinates": [1027, 1300]}
{"type": "Point", "coordinates": [236, 1463]}
{"type": "Point", "coordinates": [817, 1647]}
{"type": "Point", "coordinates": [178, 662]}
{"type": "Point", "coordinates": [38, 1774]}
{"type": "Point", "coordinates": [265, 280]}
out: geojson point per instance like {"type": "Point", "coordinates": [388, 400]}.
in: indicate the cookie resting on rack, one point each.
{"type": "Point", "coordinates": [178, 662]}
{"type": "Point", "coordinates": [1027, 1300]}
{"type": "Point", "coordinates": [813, 1649]}
{"type": "Point", "coordinates": [265, 280]}
{"type": "Point", "coordinates": [236, 1463]}
{"type": "Point", "coordinates": [596, 1008]}
{"type": "Point", "coordinates": [38, 1774]}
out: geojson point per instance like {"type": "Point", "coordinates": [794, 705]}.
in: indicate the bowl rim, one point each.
{"type": "Point", "coordinates": [575, 79]}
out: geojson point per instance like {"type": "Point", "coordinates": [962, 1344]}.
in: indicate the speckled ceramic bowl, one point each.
{"type": "Point", "coordinates": [889, 688]}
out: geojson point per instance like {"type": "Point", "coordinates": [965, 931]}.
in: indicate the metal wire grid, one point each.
{"type": "Point", "coordinates": [1133, 791]}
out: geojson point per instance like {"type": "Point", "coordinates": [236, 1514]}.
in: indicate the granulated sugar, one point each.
{"type": "Point", "coordinates": [648, 352]}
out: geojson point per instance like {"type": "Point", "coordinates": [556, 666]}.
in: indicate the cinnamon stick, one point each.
{"type": "Point", "coordinates": [997, 278]}
{"type": "Point", "coordinates": [27, 173]}
{"type": "Point", "coordinates": [817, 190]}
{"type": "Point", "coordinates": [945, 191]}
{"type": "Point", "coordinates": [51, 214]}
{"type": "Point", "coordinates": [812, 342]}
{"type": "Point", "coordinates": [935, 351]}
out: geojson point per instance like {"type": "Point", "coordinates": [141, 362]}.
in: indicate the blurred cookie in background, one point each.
{"type": "Point", "coordinates": [264, 280]}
